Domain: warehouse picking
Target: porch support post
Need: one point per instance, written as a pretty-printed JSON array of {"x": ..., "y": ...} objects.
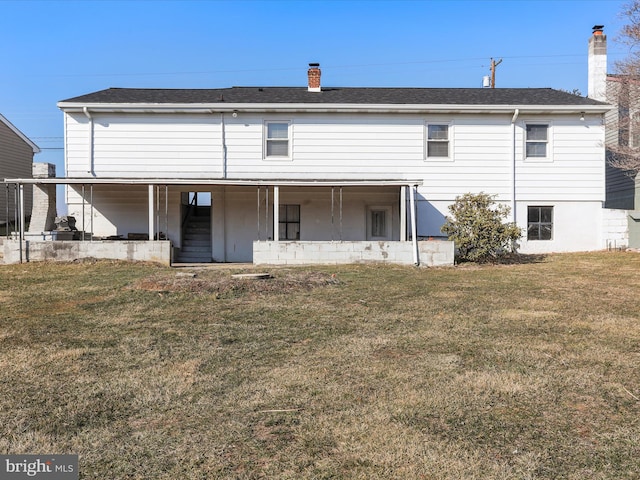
[
  {"x": 166, "y": 212},
  {"x": 16, "y": 211},
  {"x": 6, "y": 228},
  {"x": 21, "y": 197},
  {"x": 414, "y": 227},
  {"x": 403, "y": 213},
  {"x": 276, "y": 213},
  {"x": 340, "y": 213},
  {"x": 21, "y": 217},
  {"x": 332, "y": 227},
  {"x": 91, "y": 211},
  {"x": 151, "y": 216},
  {"x": 84, "y": 219},
  {"x": 266, "y": 212}
]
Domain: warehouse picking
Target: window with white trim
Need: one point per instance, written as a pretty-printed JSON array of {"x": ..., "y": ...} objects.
[
  {"x": 277, "y": 140},
  {"x": 438, "y": 140},
  {"x": 537, "y": 140},
  {"x": 539, "y": 223}
]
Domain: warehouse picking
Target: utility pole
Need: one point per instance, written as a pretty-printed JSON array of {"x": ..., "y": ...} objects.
[{"x": 494, "y": 64}]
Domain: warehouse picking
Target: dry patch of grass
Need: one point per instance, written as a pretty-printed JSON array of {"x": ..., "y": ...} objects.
[
  {"x": 526, "y": 370},
  {"x": 207, "y": 282}
]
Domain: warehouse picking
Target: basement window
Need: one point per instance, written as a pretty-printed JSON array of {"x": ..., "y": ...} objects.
[{"x": 539, "y": 223}]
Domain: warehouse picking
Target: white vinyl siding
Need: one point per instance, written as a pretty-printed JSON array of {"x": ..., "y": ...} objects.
[
  {"x": 328, "y": 146},
  {"x": 578, "y": 166},
  {"x": 139, "y": 145}
]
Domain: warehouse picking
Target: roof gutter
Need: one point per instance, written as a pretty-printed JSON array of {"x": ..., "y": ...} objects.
[{"x": 72, "y": 107}]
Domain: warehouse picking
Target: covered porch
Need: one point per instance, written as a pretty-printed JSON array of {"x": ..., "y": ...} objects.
[{"x": 316, "y": 222}]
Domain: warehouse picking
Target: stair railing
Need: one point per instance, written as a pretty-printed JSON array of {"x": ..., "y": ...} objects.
[{"x": 190, "y": 205}]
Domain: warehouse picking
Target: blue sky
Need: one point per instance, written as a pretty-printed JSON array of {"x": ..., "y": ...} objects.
[{"x": 53, "y": 50}]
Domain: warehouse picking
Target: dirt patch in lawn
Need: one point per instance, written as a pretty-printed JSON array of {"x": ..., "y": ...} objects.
[{"x": 223, "y": 285}]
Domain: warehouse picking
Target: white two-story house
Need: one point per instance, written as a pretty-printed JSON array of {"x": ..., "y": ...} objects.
[{"x": 297, "y": 175}]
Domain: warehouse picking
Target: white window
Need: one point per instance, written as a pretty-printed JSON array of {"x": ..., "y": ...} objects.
[
  {"x": 537, "y": 140},
  {"x": 438, "y": 138},
  {"x": 277, "y": 140}
]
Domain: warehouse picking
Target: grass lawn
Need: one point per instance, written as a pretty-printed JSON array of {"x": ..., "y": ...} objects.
[{"x": 526, "y": 371}]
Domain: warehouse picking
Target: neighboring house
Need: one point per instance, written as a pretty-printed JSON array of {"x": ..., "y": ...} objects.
[
  {"x": 16, "y": 160},
  {"x": 621, "y": 124},
  {"x": 621, "y": 185}
]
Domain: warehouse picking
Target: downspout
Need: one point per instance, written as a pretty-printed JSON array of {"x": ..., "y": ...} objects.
[
  {"x": 88, "y": 115},
  {"x": 513, "y": 164},
  {"x": 224, "y": 145}
]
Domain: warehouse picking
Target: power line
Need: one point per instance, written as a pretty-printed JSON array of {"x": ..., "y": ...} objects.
[{"x": 271, "y": 69}]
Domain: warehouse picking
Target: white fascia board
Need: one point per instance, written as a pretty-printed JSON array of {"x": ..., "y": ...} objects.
[
  {"x": 13, "y": 128},
  {"x": 325, "y": 108}
]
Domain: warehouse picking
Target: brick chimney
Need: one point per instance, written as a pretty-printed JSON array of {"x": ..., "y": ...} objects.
[
  {"x": 597, "y": 82},
  {"x": 314, "y": 77}
]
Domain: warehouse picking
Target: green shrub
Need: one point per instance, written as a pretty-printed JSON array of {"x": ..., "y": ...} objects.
[{"x": 477, "y": 227}]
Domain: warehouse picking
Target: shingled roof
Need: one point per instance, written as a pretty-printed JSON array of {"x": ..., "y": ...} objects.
[{"x": 338, "y": 95}]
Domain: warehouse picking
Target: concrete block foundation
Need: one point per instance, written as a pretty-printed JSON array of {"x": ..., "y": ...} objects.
[
  {"x": 430, "y": 253},
  {"x": 66, "y": 251}
]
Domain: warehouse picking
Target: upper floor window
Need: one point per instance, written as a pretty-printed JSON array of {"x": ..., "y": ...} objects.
[
  {"x": 537, "y": 144},
  {"x": 277, "y": 140},
  {"x": 437, "y": 140}
]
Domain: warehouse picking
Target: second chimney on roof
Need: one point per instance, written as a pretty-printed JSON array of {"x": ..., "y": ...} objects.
[
  {"x": 597, "y": 65},
  {"x": 314, "y": 77}
]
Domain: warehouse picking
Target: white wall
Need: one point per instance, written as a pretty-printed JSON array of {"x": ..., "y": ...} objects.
[
  {"x": 340, "y": 147},
  {"x": 346, "y": 147},
  {"x": 138, "y": 145},
  {"x": 577, "y": 226}
]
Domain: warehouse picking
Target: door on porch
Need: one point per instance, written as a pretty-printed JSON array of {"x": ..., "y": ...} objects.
[
  {"x": 195, "y": 231},
  {"x": 379, "y": 223}
]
